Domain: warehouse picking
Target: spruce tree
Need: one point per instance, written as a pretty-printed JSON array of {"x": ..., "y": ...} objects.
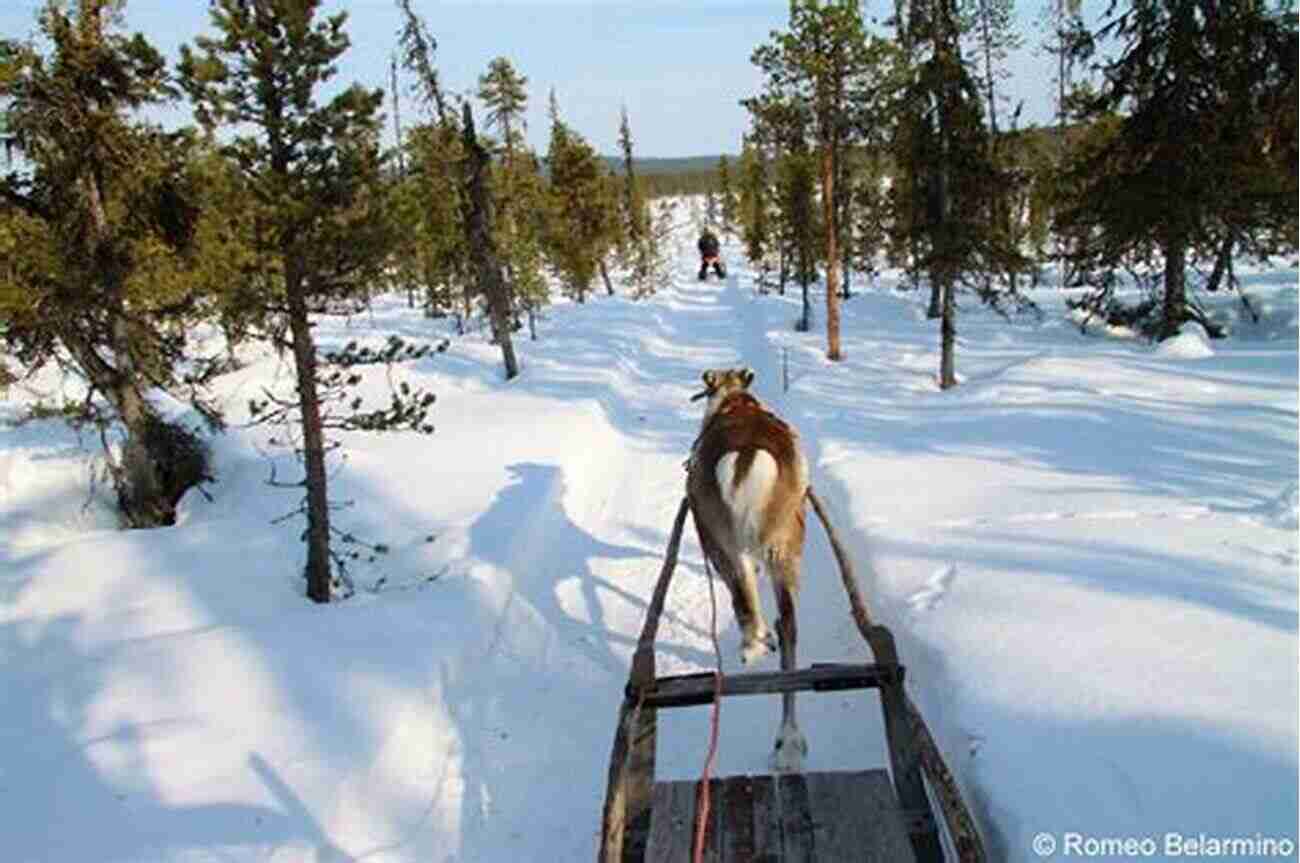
[
  {"x": 640, "y": 241},
  {"x": 754, "y": 205},
  {"x": 482, "y": 243},
  {"x": 435, "y": 202},
  {"x": 523, "y": 248},
  {"x": 517, "y": 186},
  {"x": 797, "y": 184},
  {"x": 582, "y": 217},
  {"x": 995, "y": 36},
  {"x": 427, "y": 203},
  {"x": 633, "y": 200},
  {"x": 504, "y": 91},
  {"x": 868, "y": 228},
  {"x": 314, "y": 172},
  {"x": 726, "y": 196},
  {"x": 98, "y": 233},
  {"x": 1200, "y": 93}
]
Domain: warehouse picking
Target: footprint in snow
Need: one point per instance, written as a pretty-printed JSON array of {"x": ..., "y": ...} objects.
[{"x": 936, "y": 588}]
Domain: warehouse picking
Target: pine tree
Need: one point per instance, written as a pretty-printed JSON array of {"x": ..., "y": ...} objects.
[
  {"x": 98, "y": 235},
  {"x": 995, "y": 37},
  {"x": 314, "y": 172},
  {"x": 828, "y": 63}
]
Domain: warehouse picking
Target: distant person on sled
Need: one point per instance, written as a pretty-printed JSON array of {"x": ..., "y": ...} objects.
[{"x": 708, "y": 246}]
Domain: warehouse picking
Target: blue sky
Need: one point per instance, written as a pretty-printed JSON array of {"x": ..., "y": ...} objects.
[{"x": 680, "y": 66}]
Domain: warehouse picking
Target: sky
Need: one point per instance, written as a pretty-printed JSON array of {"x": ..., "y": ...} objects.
[{"x": 680, "y": 67}]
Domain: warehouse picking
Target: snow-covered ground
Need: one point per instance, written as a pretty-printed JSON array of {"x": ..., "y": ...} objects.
[{"x": 1088, "y": 552}]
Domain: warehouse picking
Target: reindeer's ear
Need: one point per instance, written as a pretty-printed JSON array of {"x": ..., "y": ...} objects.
[
  {"x": 747, "y": 375},
  {"x": 710, "y": 379}
]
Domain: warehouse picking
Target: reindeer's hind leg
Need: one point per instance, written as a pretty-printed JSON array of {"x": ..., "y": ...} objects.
[
  {"x": 756, "y": 638},
  {"x": 791, "y": 746},
  {"x": 738, "y": 573}
]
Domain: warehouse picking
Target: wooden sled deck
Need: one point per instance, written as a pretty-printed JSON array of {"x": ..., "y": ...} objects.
[
  {"x": 797, "y": 816},
  {"x": 826, "y": 816}
]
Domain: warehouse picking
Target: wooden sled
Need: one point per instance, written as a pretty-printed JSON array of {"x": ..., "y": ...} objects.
[{"x": 824, "y": 817}]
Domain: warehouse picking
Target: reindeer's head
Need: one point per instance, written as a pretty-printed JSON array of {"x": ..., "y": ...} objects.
[{"x": 720, "y": 383}]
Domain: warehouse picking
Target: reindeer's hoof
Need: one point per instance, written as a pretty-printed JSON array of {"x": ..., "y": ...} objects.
[
  {"x": 790, "y": 749},
  {"x": 758, "y": 646}
]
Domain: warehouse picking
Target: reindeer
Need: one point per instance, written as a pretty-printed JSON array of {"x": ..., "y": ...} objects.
[{"x": 746, "y": 481}]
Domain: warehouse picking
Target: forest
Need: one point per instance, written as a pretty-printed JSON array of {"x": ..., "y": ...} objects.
[{"x": 872, "y": 144}]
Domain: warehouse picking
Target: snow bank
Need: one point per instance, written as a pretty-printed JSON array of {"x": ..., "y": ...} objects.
[{"x": 1191, "y": 343}]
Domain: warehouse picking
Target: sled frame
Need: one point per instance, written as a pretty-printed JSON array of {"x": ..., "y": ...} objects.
[{"x": 631, "y": 791}]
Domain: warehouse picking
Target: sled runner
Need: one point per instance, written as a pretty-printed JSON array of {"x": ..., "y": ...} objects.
[{"x": 824, "y": 817}]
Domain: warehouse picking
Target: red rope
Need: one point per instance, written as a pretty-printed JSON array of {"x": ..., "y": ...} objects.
[{"x": 702, "y": 810}]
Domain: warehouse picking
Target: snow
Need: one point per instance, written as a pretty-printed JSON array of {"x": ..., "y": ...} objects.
[
  {"x": 1088, "y": 552},
  {"x": 1191, "y": 343}
]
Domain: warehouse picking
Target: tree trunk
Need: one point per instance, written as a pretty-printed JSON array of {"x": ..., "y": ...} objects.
[
  {"x": 313, "y": 438},
  {"x": 843, "y": 220},
  {"x": 1222, "y": 265},
  {"x": 604, "y": 275},
  {"x": 160, "y": 461},
  {"x": 140, "y": 495},
  {"x": 1063, "y": 72},
  {"x": 833, "y": 352},
  {"x": 935, "y": 309},
  {"x": 1175, "y": 308},
  {"x": 944, "y": 273},
  {"x": 397, "y": 119},
  {"x": 948, "y": 337},
  {"x": 487, "y": 263}
]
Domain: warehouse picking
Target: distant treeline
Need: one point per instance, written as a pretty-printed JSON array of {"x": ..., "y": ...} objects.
[
  {"x": 691, "y": 175},
  {"x": 698, "y": 175}
]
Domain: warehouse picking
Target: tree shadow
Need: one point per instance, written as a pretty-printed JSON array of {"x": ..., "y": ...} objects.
[
  {"x": 79, "y": 797},
  {"x": 528, "y": 534}
]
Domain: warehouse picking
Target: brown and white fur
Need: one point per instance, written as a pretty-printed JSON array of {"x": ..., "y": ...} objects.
[{"x": 746, "y": 481}]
